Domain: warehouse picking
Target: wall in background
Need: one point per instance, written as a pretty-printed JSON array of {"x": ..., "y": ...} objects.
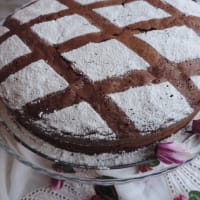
[{"x": 8, "y": 6}]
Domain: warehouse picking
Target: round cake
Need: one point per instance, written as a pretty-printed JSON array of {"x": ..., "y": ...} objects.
[{"x": 102, "y": 76}]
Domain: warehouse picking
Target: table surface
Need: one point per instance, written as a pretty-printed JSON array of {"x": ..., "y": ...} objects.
[{"x": 20, "y": 182}]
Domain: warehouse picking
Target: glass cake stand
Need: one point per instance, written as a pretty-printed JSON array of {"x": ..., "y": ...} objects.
[{"x": 12, "y": 143}]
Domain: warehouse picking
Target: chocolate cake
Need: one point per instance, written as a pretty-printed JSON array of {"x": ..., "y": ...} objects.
[{"x": 95, "y": 76}]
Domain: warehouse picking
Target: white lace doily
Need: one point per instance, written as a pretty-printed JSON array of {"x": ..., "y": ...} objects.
[
  {"x": 70, "y": 191},
  {"x": 185, "y": 178},
  {"x": 180, "y": 181}
]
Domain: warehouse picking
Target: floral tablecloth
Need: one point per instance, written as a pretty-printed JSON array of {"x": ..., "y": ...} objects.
[{"x": 20, "y": 182}]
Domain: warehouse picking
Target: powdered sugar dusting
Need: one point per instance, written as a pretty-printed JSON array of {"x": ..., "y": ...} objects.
[
  {"x": 106, "y": 160},
  {"x": 3, "y": 30},
  {"x": 79, "y": 120},
  {"x": 11, "y": 49},
  {"x": 153, "y": 107},
  {"x": 176, "y": 44},
  {"x": 196, "y": 80},
  {"x": 36, "y": 80},
  {"x": 63, "y": 29},
  {"x": 84, "y": 2},
  {"x": 130, "y": 13},
  {"x": 106, "y": 59},
  {"x": 40, "y": 7},
  {"x": 185, "y": 6}
]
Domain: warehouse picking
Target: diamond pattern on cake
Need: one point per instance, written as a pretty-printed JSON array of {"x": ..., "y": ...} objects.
[
  {"x": 130, "y": 13},
  {"x": 37, "y": 9},
  {"x": 196, "y": 80},
  {"x": 84, "y": 2},
  {"x": 39, "y": 78},
  {"x": 63, "y": 29},
  {"x": 176, "y": 44},
  {"x": 11, "y": 49},
  {"x": 152, "y": 107},
  {"x": 102, "y": 60},
  {"x": 3, "y": 30},
  {"x": 79, "y": 120},
  {"x": 188, "y": 7}
]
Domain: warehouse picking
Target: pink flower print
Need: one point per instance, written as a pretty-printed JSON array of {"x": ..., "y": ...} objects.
[
  {"x": 57, "y": 184},
  {"x": 180, "y": 197},
  {"x": 196, "y": 127},
  {"x": 172, "y": 152}
]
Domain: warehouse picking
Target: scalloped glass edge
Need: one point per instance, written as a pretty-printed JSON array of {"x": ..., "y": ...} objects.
[{"x": 110, "y": 181}]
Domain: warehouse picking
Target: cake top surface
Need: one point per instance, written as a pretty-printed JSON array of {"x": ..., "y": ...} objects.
[{"x": 80, "y": 72}]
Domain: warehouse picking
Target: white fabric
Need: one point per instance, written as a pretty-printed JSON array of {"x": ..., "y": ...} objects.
[
  {"x": 16, "y": 179},
  {"x": 151, "y": 189}
]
